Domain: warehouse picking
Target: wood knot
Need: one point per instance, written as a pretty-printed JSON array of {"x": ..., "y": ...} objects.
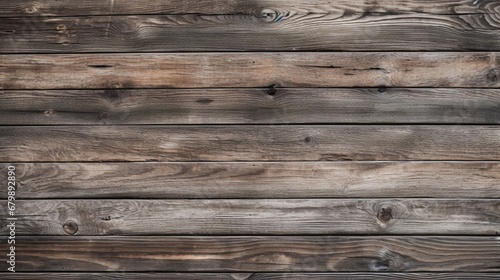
[
  {"x": 31, "y": 10},
  {"x": 308, "y": 139},
  {"x": 61, "y": 27},
  {"x": 269, "y": 15},
  {"x": 385, "y": 215},
  {"x": 70, "y": 227},
  {"x": 49, "y": 112},
  {"x": 272, "y": 90},
  {"x": 492, "y": 75}
]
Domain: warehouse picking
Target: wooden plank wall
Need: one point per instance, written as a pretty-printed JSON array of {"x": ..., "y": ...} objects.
[{"x": 262, "y": 139}]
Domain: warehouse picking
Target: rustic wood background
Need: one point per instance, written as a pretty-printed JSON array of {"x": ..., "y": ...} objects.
[{"x": 257, "y": 140}]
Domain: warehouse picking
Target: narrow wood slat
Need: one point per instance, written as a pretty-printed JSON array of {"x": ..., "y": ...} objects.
[
  {"x": 250, "y": 106},
  {"x": 244, "y": 216},
  {"x": 201, "y": 70},
  {"x": 265, "y": 29},
  {"x": 252, "y": 276},
  {"x": 36, "y": 8},
  {"x": 248, "y": 143},
  {"x": 256, "y": 180},
  {"x": 249, "y": 254}
]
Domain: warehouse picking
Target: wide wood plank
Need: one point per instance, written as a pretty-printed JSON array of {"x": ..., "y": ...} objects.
[
  {"x": 267, "y": 29},
  {"x": 248, "y": 143},
  {"x": 251, "y": 276},
  {"x": 201, "y": 70},
  {"x": 37, "y": 8},
  {"x": 249, "y": 254},
  {"x": 256, "y": 180},
  {"x": 243, "y": 216},
  {"x": 250, "y": 106}
]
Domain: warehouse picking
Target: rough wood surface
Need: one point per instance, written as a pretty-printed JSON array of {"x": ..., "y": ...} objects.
[
  {"x": 256, "y": 216},
  {"x": 270, "y": 29},
  {"x": 37, "y": 8},
  {"x": 202, "y": 70},
  {"x": 249, "y": 254},
  {"x": 248, "y": 143},
  {"x": 251, "y": 276},
  {"x": 256, "y": 180},
  {"x": 250, "y": 106}
]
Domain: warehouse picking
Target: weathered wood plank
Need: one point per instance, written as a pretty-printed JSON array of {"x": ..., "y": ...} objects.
[
  {"x": 256, "y": 180},
  {"x": 201, "y": 70},
  {"x": 28, "y": 8},
  {"x": 248, "y": 143},
  {"x": 256, "y": 216},
  {"x": 252, "y": 276},
  {"x": 250, "y": 106},
  {"x": 269, "y": 29},
  {"x": 249, "y": 254}
]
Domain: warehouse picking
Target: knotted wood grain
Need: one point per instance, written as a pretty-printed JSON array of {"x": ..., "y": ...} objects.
[
  {"x": 248, "y": 26},
  {"x": 248, "y": 143},
  {"x": 256, "y": 180},
  {"x": 230, "y": 70},
  {"x": 28, "y": 8},
  {"x": 257, "y": 217},
  {"x": 253, "y": 276},
  {"x": 265, "y": 254},
  {"x": 250, "y": 106}
]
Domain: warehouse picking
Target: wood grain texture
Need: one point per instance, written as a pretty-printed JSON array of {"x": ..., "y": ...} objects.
[
  {"x": 251, "y": 276},
  {"x": 27, "y": 8},
  {"x": 248, "y": 143},
  {"x": 270, "y": 29},
  {"x": 202, "y": 70},
  {"x": 254, "y": 217},
  {"x": 250, "y": 106},
  {"x": 249, "y": 254},
  {"x": 256, "y": 180}
]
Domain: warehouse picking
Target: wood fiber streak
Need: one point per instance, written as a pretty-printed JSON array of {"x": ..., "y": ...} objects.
[
  {"x": 36, "y": 8},
  {"x": 248, "y": 143},
  {"x": 266, "y": 29},
  {"x": 250, "y": 106},
  {"x": 256, "y": 180},
  {"x": 202, "y": 70},
  {"x": 270, "y": 216},
  {"x": 265, "y": 253},
  {"x": 253, "y": 276}
]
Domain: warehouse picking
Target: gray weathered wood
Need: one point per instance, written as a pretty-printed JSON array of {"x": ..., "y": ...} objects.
[
  {"x": 267, "y": 29},
  {"x": 256, "y": 216},
  {"x": 256, "y": 180},
  {"x": 202, "y": 70},
  {"x": 254, "y": 106},
  {"x": 251, "y": 276},
  {"x": 26, "y": 8},
  {"x": 249, "y": 254},
  {"x": 248, "y": 143}
]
